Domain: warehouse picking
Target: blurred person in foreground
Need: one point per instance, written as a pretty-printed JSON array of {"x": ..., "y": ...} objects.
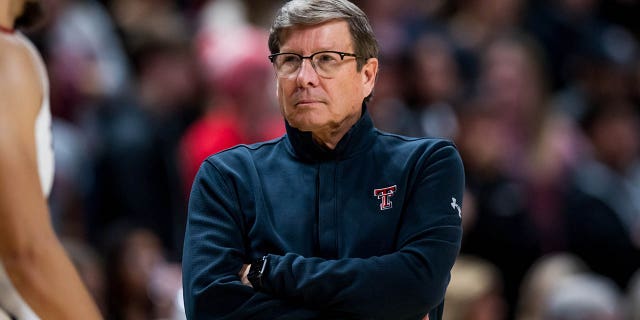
[
  {"x": 335, "y": 219},
  {"x": 475, "y": 291},
  {"x": 37, "y": 278},
  {"x": 539, "y": 281},
  {"x": 584, "y": 296}
]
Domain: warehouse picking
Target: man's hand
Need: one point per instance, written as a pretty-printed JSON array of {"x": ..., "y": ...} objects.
[{"x": 243, "y": 275}]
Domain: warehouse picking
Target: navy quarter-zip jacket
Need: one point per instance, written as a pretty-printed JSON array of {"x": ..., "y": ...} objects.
[{"x": 369, "y": 230}]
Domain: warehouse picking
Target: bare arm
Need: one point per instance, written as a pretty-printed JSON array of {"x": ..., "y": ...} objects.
[{"x": 30, "y": 251}]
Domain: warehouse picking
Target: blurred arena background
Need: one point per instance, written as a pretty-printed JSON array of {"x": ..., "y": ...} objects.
[{"x": 541, "y": 97}]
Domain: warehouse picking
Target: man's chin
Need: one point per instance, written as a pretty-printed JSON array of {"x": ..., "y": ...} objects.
[
  {"x": 304, "y": 120},
  {"x": 304, "y": 124},
  {"x": 301, "y": 127}
]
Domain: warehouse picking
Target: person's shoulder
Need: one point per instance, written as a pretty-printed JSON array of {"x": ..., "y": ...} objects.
[
  {"x": 19, "y": 82},
  {"x": 15, "y": 54},
  {"x": 392, "y": 140},
  {"x": 424, "y": 153},
  {"x": 245, "y": 152}
]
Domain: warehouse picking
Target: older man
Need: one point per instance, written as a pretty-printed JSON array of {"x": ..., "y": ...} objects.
[{"x": 335, "y": 219}]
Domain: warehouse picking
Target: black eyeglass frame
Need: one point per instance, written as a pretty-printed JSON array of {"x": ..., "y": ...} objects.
[{"x": 310, "y": 57}]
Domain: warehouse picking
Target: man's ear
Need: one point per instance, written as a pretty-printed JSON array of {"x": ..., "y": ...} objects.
[{"x": 369, "y": 75}]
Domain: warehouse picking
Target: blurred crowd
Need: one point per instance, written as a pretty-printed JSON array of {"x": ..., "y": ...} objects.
[{"x": 542, "y": 99}]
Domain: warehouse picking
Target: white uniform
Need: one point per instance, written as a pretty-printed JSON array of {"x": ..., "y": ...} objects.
[{"x": 10, "y": 300}]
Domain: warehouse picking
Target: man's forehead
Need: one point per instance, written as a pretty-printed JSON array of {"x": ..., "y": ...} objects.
[{"x": 328, "y": 34}]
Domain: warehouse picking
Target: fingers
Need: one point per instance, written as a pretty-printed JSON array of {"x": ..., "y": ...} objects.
[{"x": 243, "y": 275}]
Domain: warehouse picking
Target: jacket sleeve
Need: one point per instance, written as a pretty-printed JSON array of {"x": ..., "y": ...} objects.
[
  {"x": 214, "y": 254},
  {"x": 404, "y": 284}
]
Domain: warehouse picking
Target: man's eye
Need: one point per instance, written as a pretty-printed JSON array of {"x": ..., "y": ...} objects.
[
  {"x": 290, "y": 59},
  {"x": 326, "y": 58}
]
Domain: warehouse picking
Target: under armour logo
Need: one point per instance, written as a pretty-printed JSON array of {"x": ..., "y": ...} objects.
[
  {"x": 455, "y": 206},
  {"x": 385, "y": 195}
]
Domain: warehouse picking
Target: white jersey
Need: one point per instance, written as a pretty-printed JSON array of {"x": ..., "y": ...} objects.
[{"x": 10, "y": 300}]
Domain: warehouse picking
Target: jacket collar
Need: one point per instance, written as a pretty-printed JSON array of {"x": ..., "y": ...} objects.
[{"x": 358, "y": 139}]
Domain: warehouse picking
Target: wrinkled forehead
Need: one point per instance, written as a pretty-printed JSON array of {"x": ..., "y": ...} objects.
[{"x": 329, "y": 35}]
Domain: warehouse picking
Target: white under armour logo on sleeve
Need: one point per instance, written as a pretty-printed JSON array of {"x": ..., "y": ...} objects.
[{"x": 455, "y": 206}]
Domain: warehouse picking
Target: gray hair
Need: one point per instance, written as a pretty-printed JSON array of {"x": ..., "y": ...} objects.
[{"x": 313, "y": 12}]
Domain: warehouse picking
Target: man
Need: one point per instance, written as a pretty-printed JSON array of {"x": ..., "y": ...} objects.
[
  {"x": 36, "y": 277},
  {"x": 335, "y": 219}
]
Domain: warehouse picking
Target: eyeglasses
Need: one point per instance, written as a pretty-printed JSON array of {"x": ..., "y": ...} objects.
[{"x": 325, "y": 63}]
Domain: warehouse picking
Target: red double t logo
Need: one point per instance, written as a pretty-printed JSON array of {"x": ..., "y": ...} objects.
[{"x": 385, "y": 195}]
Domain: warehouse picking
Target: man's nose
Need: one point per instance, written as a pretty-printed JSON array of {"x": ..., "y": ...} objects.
[{"x": 307, "y": 75}]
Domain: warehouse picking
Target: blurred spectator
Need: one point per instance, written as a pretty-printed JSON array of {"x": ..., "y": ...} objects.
[
  {"x": 540, "y": 146},
  {"x": 586, "y": 296},
  {"x": 141, "y": 20},
  {"x": 90, "y": 267},
  {"x": 433, "y": 88},
  {"x": 515, "y": 157},
  {"x": 633, "y": 297},
  {"x": 601, "y": 72},
  {"x": 240, "y": 106},
  {"x": 565, "y": 28},
  {"x": 260, "y": 12},
  {"x": 398, "y": 25},
  {"x": 388, "y": 107},
  {"x": 142, "y": 284},
  {"x": 475, "y": 291},
  {"x": 512, "y": 87},
  {"x": 73, "y": 180},
  {"x": 86, "y": 58},
  {"x": 391, "y": 22},
  {"x": 540, "y": 279},
  {"x": 170, "y": 91},
  {"x": 602, "y": 207},
  {"x": 501, "y": 230},
  {"x": 476, "y": 23},
  {"x": 137, "y": 137}
]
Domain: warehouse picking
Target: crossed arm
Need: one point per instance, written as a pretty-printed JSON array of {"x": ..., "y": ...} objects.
[{"x": 405, "y": 284}]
